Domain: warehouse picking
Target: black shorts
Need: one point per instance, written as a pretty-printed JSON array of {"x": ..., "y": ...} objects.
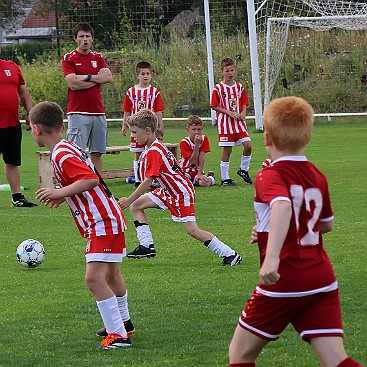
[{"x": 10, "y": 144}]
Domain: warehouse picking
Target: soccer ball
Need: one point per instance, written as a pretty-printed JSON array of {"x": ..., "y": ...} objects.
[{"x": 30, "y": 253}]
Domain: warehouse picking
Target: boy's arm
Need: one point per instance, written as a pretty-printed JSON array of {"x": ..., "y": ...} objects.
[
  {"x": 48, "y": 195},
  {"x": 124, "y": 123},
  {"x": 235, "y": 115},
  {"x": 139, "y": 191},
  {"x": 79, "y": 82},
  {"x": 280, "y": 217},
  {"x": 159, "y": 115},
  {"x": 243, "y": 112},
  {"x": 325, "y": 227}
]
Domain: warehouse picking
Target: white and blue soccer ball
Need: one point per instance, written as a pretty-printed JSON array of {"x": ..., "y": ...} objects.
[{"x": 30, "y": 253}]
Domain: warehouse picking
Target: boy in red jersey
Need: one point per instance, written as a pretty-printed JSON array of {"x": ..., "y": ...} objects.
[
  {"x": 176, "y": 192},
  {"x": 85, "y": 71},
  {"x": 97, "y": 216},
  {"x": 297, "y": 282},
  {"x": 138, "y": 97},
  {"x": 229, "y": 100},
  {"x": 193, "y": 149}
]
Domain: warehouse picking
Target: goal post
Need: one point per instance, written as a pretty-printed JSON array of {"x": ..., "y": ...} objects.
[
  {"x": 273, "y": 23},
  {"x": 277, "y": 36}
]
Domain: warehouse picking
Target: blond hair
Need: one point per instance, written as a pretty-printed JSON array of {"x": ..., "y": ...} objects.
[
  {"x": 289, "y": 122},
  {"x": 194, "y": 120},
  {"x": 144, "y": 118}
]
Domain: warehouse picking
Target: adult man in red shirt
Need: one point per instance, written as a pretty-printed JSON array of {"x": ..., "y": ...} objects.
[
  {"x": 85, "y": 70},
  {"x": 12, "y": 89}
]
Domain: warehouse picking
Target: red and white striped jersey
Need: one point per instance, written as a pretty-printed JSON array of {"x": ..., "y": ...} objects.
[
  {"x": 158, "y": 162},
  {"x": 231, "y": 98},
  {"x": 187, "y": 148},
  {"x": 96, "y": 212},
  {"x": 304, "y": 264},
  {"x": 137, "y": 99}
]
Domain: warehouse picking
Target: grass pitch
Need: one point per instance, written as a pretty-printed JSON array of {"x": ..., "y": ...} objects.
[{"x": 183, "y": 303}]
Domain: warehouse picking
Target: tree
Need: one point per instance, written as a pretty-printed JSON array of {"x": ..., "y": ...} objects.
[{"x": 10, "y": 10}]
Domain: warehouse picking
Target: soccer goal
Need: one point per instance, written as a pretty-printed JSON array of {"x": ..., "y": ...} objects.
[{"x": 313, "y": 49}]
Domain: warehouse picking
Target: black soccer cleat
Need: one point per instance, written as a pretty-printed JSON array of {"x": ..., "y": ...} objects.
[
  {"x": 113, "y": 341},
  {"x": 244, "y": 174},
  {"x": 142, "y": 251},
  {"x": 228, "y": 182},
  {"x": 23, "y": 203},
  {"x": 129, "y": 327},
  {"x": 232, "y": 260}
]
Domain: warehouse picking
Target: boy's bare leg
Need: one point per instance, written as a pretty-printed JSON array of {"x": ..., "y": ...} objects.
[
  {"x": 95, "y": 278},
  {"x": 245, "y": 347},
  {"x": 330, "y": 350},
  {"x": 138, "y": 206},
  {"x": 115, "y": 279}
]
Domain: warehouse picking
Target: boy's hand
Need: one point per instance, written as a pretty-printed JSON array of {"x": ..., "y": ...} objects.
[
  {"x": 50, "y": 197},
  {"x": 124, "y": 203},
  {"x": 124, "y": 130},
  {"x": 198, "y": 139},
  {"x": 237, "y": 116},
  {"x": 253, "y": 235},
  {"x": 269, "y": 271}
]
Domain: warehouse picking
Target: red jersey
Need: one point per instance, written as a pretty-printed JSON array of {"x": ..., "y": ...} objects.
[
  {"x": 304, "y": 264},
  {"x": 96, "y": 212},
  {"x": 187, "y": 148},
  {"x": 87, "y": 101},
  {"x": 231, "y": 98},
  {"x": 10, "y": 79},
  {"x": 137, "y": 99},
  {"x": 158, "y": 162}
]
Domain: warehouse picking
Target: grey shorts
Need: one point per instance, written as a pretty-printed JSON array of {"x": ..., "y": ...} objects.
[{"x": 88, "y": 131}]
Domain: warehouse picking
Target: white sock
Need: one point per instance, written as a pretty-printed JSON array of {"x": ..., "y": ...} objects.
[
  {"x": 144, "y": 235},
  {"x": 123, "y": 307},
  {"x": 212, "y": 179},
  {"x": 220, "y": 248},
  {"x": 245, "y": 162},
  {"x": 136, "y": 171},
  {"x": 111, "y": 317},
  {"x": 224, "y": 170}
]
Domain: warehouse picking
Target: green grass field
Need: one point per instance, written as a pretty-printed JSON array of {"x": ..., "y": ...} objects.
[{"x": 183, "y": 303}]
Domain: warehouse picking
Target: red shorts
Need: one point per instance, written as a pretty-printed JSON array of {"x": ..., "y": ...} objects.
[
  {"x": 135, "y": 147},
  {"x": 312, "y": 316},
  {"x": 230, "y": 140},
  {"x": 179, "y": 213},
  {"x": 110, "y": 248}
]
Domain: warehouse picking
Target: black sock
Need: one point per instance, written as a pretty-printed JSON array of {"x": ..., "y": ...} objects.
[{"x": 17, "y": 196}]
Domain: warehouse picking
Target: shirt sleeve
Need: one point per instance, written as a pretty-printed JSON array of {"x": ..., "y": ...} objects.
[
  {"x": 67, "y": 67},
  {"x": 205, "y": 147},
  {"x": 127, "y": 105},
  {"x": 158, "y": 103},
  {"x": 214, "y": 101},
  {"x": 75, "y": 170}
]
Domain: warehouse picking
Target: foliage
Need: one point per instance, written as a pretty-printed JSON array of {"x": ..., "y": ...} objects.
[
  {"x": 11, "y": 10},
  {"x": 26, "y": 51}
]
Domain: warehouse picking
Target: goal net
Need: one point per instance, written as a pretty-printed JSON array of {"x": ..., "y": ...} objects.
[{"x": 313, "y": 49}]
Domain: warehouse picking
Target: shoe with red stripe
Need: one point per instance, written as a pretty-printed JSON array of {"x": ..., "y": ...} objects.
[{"x": 114, "y": 341}]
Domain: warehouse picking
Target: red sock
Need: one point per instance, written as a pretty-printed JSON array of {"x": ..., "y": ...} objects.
[
  {"x": 247, "y": 364},
  {"x": 349, "y": 362}
]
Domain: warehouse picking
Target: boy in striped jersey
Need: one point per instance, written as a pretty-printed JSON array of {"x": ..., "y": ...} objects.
[
  {"x": 140, "y": 96},
  {"x": 229, "y": 100},
  {"x": 176, "y": 192},
  {"x": 193, "y": 149},
  {"x": 97, "y": 216}
]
